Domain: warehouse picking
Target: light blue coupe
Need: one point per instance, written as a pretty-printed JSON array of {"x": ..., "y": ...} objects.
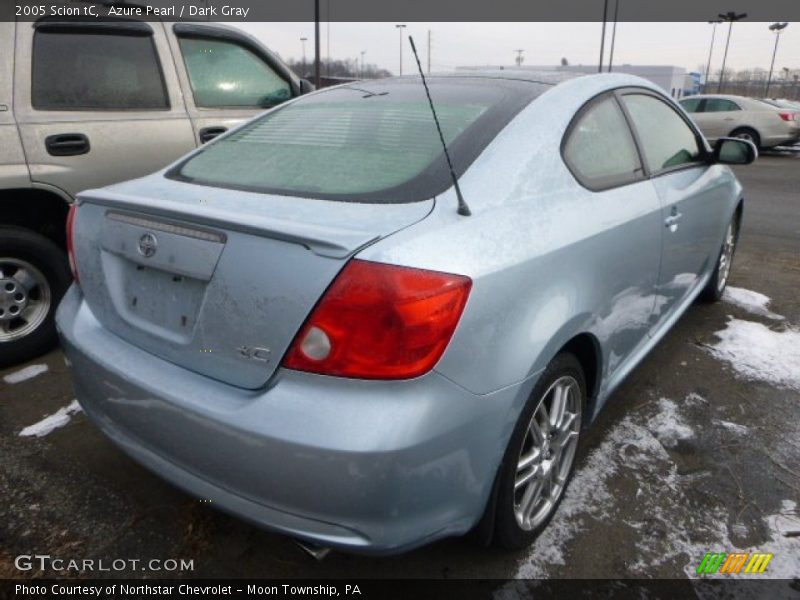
[{"x": 296, "y": 323}]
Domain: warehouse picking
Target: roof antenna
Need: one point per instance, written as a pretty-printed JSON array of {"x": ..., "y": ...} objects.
[{"x": 463, "y": 209}]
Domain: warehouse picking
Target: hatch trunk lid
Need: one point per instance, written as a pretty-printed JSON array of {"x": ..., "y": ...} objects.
[{"x": 217, "y": 281}]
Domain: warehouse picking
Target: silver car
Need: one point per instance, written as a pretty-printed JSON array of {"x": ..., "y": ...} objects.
[
  {"x": 297, "y": 323},
  {"x": 750, "y": 119}
]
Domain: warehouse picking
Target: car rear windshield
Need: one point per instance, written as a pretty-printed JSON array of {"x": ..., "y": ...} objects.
[{"x": 364, "y": 142}]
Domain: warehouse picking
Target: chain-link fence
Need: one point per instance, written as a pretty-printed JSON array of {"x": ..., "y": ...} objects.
[{"x": 757, "y": 88}]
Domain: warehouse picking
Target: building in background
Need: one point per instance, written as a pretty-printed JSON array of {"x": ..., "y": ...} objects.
[
  {"x": 693, "y": 83},
  {"x": 673, "y": 80}
]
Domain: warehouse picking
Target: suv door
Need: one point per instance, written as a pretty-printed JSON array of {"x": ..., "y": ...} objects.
[
  {"x": 96, "y": 103},
  {"x": 13, "y": 172},
  {"x": 227, "y": 77},
  {"x": 692, "y": 196}
]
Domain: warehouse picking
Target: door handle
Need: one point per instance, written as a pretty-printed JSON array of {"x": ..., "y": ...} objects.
[
  {"x": 673, "y": 219},
  {"x": 67, "y": 144},
  {"x": 209, "y": 133}
]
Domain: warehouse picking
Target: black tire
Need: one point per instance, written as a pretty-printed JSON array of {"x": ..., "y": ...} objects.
[
  {"x": 747, "y": 133},
  {"x": 508, "y": 532},
  {"x": 715, "y": 288},
  {"x": 18, "y": 244}
]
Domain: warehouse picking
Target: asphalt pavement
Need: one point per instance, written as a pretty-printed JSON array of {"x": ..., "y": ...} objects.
[{"x": 698, "y": 451}]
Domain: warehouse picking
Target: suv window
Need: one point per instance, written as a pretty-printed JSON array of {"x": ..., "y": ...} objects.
[
  {"x": 691, "y": 105},
  {"x": 98, "y": 70},
  {"x": 667, "y": 141},
  {"x": 225, "y": 74},
  {"x": 600, "y": 150},
  {"x": 720, "y": 105}
]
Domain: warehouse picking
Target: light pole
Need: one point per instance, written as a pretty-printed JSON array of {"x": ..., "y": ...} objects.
[
  {"x": 603, "y": 37},
  {"x": 520, "y": 59},
  {"x": 317, "y": 73},
  {"x": 710, "y": 51},
  {"x": 777, "y": 28},
  {"x": 400, "y": 28},
  {"x": 363, "y": 52},
  {"x": 303, "y": 41},
  {"x": 730, "y": 17},
  {"x": 613, "y": 36},
  {"x": 328, "y": 40}
]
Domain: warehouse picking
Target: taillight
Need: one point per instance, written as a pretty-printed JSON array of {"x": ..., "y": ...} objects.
[
  {"x": 379, "y": 321},
  {"x": 788, "y": 116},
  {"x": 70, "y": 244}
]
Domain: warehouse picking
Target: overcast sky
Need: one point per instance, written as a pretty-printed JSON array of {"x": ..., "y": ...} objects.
[{"x": 459, "y": 44}]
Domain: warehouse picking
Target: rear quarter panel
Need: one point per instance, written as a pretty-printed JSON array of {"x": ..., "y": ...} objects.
[{"x": 542, "y": 252}]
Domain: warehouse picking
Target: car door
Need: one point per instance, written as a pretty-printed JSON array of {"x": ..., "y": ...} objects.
[
  {"x": 600, "y": 151},
  {"x": 692, "y": 194},
  {"x": 718, "y": 117},
  {"x": 227, "y": 77},
  {"x": 95, "y": 102}
]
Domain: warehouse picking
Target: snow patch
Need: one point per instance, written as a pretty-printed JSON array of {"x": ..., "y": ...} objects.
[
  {"x": 629, "y": 446},
  {"x": 668, "y": 426},
  {"x": 734, "y": 427},
  {"x": 757, "y": 352},
  {"x": 28, "y": 372},
  {"x": 695, "y": 399},
  {"x": 753, "y": 302},
  {"x": 667, "y": 532},
  {"x": 58, "y": 419}
]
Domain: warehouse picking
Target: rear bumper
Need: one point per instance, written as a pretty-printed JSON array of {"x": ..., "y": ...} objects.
[
  {"x": 785, "y": 138},
  {"x": 373, "y": 467}
]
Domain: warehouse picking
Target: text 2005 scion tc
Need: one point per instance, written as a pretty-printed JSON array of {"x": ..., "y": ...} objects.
[{"x": 296, "y": 323}]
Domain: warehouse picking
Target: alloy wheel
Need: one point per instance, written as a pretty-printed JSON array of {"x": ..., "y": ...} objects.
[
  {"x": 547, "y": 454},
  {"x": 726, "y": 257}
]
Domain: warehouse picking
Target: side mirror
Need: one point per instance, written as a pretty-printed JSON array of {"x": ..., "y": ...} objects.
[
  {"x": 734, "y": 151},
  {"x": 306, "y": 86}
]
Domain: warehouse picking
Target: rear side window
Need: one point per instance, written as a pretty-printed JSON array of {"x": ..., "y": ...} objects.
[
  {"x": 369, "y": 142},
  {"x": 599, "y": 149},
  {"x": 720, "y": 105},
  {"x": 667, "y": 141},
  {"x": 98, "y": 70},
  {"x": 691, "y": 105},
  {"x": 224, "y": 74}
]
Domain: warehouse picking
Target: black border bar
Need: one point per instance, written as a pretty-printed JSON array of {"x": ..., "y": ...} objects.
[
  {"x": 401, "y": 589},
  {"x": 417, "y": 10}
]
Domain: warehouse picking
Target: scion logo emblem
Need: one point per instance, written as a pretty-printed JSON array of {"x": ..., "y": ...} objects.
[{"x": 148, "y": 244}]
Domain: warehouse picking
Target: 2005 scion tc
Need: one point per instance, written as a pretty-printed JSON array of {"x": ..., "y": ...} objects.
[{"x": 301, "y": 323}]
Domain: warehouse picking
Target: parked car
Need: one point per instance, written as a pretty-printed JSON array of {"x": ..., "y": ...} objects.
[
  {"x": 746, "y": 118},
  {"x": 88, "y": 103},
  {"x": 296, "y": 323},
  {"x": 783, "y": 103}
]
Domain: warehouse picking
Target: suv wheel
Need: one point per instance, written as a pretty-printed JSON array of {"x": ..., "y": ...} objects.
[{"x": 33, "y": 277}]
